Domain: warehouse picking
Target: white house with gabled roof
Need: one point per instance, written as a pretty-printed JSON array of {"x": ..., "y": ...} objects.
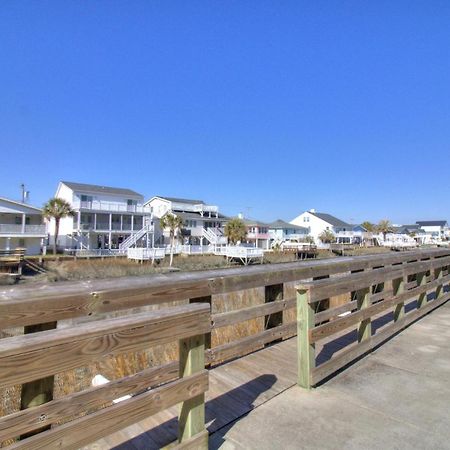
[
  {"x": 320, "y": 222},
  {"x": 105, "y": 217},
  {"x": 21, "y": 226}
]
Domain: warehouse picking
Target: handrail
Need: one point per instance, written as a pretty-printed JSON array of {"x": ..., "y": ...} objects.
[
  {"x": 64, "y": 349},
  {"x": 375, "y": 293}
]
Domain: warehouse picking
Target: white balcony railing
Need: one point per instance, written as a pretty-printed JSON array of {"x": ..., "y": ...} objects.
[
  {"x": 27, "y": 230},
  {"x": 97, "y": 205}
]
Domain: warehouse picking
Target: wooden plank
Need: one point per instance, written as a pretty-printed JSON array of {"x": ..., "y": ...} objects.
[
  {"x": 364, "y": 327},
  {"x": 306, "y": 353},
  {"x": 37, "y": 392},
  {"x": 250, "y": 343},
  {"x": 25, "y": 305},
  {"x": 340, "y": 285},
  {"x": 334, "y": 312},
  {"x": 374, "y": 298},
  {"x": 273, "y": 293},
  {"x": 72, "y": 405},
  {"x": 24, "y": 358},
  {"x": 350, "y": 354},
  {"x": 240, "y": 315},
  {"x": 92, "y": 427},
  {"x": 422, "y": 281},
  {"x": 340, "y": 324},
  {"x": 398, "y": 286},
  {"x": 191, "y": 419}
]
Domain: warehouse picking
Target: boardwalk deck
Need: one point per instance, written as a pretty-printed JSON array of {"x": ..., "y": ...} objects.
[{"x": 236, "y": 388}]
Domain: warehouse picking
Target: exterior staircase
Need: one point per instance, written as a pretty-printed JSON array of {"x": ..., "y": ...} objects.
[
  {"x": 215, "y": 236},
  {"x": 133, "y": 239}
]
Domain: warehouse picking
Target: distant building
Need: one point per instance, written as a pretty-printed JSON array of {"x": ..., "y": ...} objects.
[
  {"x": 257, "y": 233},
  {"x": 436, "y": 228},
  {"x": 21, "y": 226},
  {"x": 104, "y": 216},
  {"x": 280, "y": 231},
  {"x": 202, "y": 223},
  {"x": 320, "y": 222}
]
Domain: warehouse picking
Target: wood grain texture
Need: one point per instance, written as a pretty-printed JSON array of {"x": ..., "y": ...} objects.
[
  {"x": 29, "y": 357},
  {"x": 71, "y": 405},
  {"x": 92, "y": 427},
  {"x": 26, "y": 305}
]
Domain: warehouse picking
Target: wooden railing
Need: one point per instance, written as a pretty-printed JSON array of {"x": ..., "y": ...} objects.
[
  {"x": 270, "y": 300},
  {"x": 421, "y": 285},
  {"x": 43, "y": 354}
]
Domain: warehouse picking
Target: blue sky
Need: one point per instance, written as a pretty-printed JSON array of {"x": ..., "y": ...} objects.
[{"x": 266, "y": 108}]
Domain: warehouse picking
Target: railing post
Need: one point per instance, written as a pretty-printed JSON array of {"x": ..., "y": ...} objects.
[
  {"x": 192, "y": 412},
  {"x": 398, "y": 286},
  {"x": 438, "y": 274},
  {"x": 421, "y": 281},
  {"x": 306, "y": 350},
  {"x": 205, "y": 299},
  {"x": 365, "y": 326}
]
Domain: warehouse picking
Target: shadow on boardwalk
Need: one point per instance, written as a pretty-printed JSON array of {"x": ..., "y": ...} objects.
[{"x": 221, "y": 411}]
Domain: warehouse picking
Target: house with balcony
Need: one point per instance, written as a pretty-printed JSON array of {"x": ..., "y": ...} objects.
[
  {"x": 437, "y": 229},
  {"x": 320, "y": 222},
  {"x": 21, "y": 226},
  {"x": 202, "y": 222},
  {"x": 280, "y": 231},
  {"x": 105, "y": 217},
  {"x": 257, "y": 233}
]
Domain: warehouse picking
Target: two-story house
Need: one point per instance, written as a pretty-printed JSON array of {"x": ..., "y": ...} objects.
[
  {"x": 21, "y": 226},
  {"x": 257, "y": 233},
  {"x": 202, "y": 223},
  {"x": 437, "y": 229},
  {"x": 280, "y": 231},
  {"x": 320, "y": 222},
  {"x": 104, "y": 216}
]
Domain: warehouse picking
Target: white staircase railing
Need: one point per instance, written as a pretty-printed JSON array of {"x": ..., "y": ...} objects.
[
  {"x": 215, "y": 236},
  {"x": 131, "y": 240}
]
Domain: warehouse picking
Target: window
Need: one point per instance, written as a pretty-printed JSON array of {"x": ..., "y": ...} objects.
[
  {"x": 18, "y": 220},
  {"x": 21, "y": 242},
  {"x": 306, "y": 219},
  {"x": 86, "y": 198}
]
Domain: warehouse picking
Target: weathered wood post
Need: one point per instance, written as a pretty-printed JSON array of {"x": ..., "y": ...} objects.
[
  {"x": 438, "y": 275},
  {"x": 306, "y": 351},
  {"x": 192, "y": 411},
  {"x": 365, "y": 326},
  {"x": 398, "y": 286},
  {"x": 205, "y": 299},
  {"x": 422, "y": 281}
]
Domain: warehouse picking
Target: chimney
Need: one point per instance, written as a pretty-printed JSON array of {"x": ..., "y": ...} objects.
[
  {"x": 312, "y": 210},
  {"x": 240, "y": 216}
]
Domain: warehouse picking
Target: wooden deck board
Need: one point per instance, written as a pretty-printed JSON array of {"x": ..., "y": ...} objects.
[{"x": 236, "y": 388}]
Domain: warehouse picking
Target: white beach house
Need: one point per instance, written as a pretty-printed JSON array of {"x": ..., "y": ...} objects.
[
  {"x": 437, "y": 229},
  {"x": 21, "y": 226},
  {"x": 105, "y": 217},
  {"x": 320, "y": 222},
  {"x": 280, "y": 231},
  {"x": 202, "y": 223}
]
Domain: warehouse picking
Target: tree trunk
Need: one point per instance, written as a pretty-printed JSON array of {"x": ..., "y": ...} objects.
[
  {"x": 56, "y": 236},
  {"x": 172, "y": 242}
]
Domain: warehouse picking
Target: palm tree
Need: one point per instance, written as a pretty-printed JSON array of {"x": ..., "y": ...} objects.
[
  {"x": 57, "y": 209},
  {"x": 235, "y": 230},
  {"x": 327, "y": 237},
  {"x": 385, "y": 227},
  {"x": 370, "y": 227},
  {"x": 173, "y": 223}
]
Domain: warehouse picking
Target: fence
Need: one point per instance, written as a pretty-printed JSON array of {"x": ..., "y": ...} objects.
[
  {"x": 27, "y": 358},
  {"x": 374, "y": 294},
  {"x": 41, "y": 309}
]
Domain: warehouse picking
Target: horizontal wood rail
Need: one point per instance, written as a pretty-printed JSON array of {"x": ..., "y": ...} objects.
[
  {"x": 33, "y": 356},
  {"x": 366, "y": 304}
]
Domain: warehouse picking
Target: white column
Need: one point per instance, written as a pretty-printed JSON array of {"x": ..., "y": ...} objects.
[
  {"x": 79, "y": 220},
  {"x": 23, "y": 223},
  {"x": 95, "y": 221},
  {"x": 110, "y": 222},
  {"x": 121, "y": 222},
  {"x": 132, "y": 222},
  {"x": 109, "y": 240}
]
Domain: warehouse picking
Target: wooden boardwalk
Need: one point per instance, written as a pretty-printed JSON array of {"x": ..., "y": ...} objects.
[{"x": 235, "y": 389}]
